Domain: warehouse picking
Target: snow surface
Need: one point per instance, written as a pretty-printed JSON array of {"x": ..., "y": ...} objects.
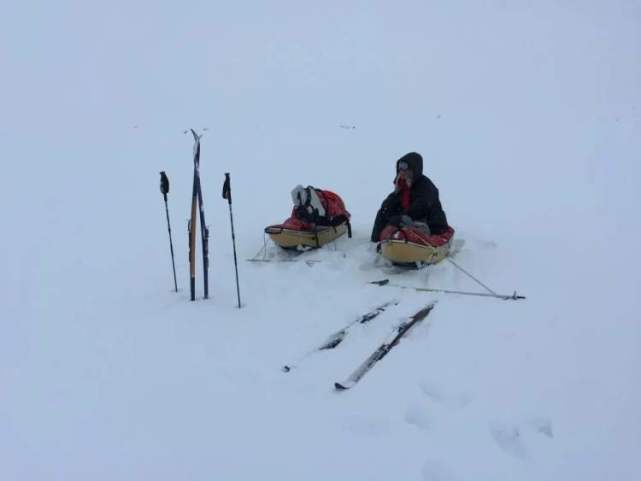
[{"x": 528, "y": 115}]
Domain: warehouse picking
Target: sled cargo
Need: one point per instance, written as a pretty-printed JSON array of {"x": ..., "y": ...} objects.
[
  {"x": 288, "y": 236},
  {"x": 407, "y": 245},
  {"x": 319, "y": 216}
]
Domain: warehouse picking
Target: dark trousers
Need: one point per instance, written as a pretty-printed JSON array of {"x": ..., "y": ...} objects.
[{"x": 386, "y": 217}]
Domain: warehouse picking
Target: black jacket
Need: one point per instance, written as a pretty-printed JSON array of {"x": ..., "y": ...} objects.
[{"x": 425, "y": 205}]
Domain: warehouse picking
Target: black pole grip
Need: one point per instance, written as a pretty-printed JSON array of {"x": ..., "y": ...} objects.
[
  {"x": 227, "y": 188},
  {"x": 164, "y": 183}
]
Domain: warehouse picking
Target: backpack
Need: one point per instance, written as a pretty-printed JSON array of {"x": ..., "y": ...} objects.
[{"x": 320, "y": 207}]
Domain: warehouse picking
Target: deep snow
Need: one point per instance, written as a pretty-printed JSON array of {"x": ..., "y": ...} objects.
[{"x": 528, "y": 116}]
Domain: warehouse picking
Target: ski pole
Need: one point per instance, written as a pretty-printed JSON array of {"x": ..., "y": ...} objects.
[
  {"x": 227, "y": 195},
  {"x": 164, "y": 189},
  {"x": 505, "y": 297}
]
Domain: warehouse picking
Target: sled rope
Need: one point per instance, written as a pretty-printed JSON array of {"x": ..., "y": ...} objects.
[{"x": 471, "y": 276}]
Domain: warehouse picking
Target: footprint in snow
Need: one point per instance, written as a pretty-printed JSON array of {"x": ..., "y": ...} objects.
[
  {"x": 542, "y": 426},
  {"x": 450, "y": 400},
  {"x": 509, "y": 438},
  {"x": 512, "y": 438},
  {"x": 418, "y": 416}
]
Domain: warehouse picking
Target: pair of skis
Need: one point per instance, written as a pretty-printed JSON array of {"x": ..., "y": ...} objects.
[
  {"x": 337, "y": 337},
  {"x": 384, "y": 349},
  {"x": 197, "y": 205}
]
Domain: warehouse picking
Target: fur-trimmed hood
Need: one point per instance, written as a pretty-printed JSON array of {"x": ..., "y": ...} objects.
[{"x": 414, "y": 162}]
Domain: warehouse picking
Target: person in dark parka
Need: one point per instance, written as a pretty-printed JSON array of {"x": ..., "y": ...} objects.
[{"x": 414, "y": 202}]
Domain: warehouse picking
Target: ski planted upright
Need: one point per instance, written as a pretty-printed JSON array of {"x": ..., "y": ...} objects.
[
  {"x": 204, "y": 230},
  {"x": 384, "y": 349},
  {"x": 192, "y": 238},
  {"x": 337, "y": 337},
  {"x": 197, "y": 205}
]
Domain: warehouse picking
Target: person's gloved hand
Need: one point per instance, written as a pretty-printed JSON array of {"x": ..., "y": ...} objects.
[
  {"x": 400, "y": 220},
  {"x": 395, "y": 220}
]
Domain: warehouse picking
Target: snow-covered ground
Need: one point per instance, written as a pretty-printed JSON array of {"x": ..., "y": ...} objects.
[{"x": 528, "y": 115}]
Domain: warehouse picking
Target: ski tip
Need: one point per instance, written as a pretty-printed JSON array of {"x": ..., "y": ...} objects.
[
  {"x": 422, "y": 313},
  {"x": 431, "y": 306},
  {"x": 340, "y": 387},
  {"x": 193, "y": 132}
]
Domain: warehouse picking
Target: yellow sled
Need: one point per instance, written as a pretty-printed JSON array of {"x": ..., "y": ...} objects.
[
  {"x": 291, "y": 239},
  {"x": 403, "y": 252}
]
